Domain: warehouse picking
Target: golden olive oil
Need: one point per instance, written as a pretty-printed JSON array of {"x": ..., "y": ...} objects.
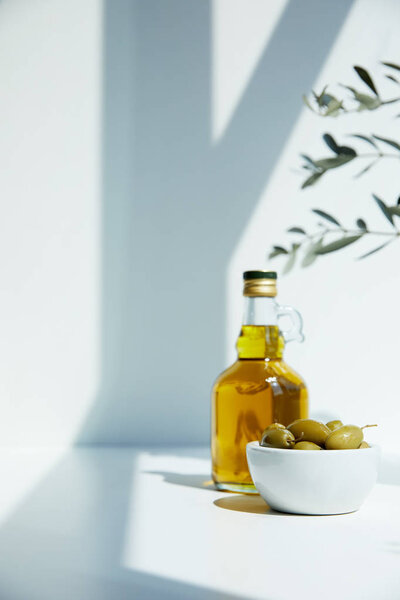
[{"x": 257, "y": 390}]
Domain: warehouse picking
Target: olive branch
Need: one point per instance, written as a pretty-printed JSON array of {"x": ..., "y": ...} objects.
[{"x": 330, "y": 235}]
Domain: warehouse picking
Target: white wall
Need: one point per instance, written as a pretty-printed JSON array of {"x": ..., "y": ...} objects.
[
  {"x": 350, "y": 356},
  {"x": 50, "y": 107},
  {"x": 146, "y": 161},
  {"x": 199, "y": 162}
]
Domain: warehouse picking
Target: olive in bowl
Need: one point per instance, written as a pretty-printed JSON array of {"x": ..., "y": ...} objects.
[{"x": 327, "y": 482}]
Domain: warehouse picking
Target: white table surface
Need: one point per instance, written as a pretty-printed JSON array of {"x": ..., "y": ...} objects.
[{"x": 97, "y": 524}]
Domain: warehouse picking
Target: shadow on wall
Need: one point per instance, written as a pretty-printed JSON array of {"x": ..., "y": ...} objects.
[
  {"x": 174, "y": 205},
  {"x": 173, "y": 209}
]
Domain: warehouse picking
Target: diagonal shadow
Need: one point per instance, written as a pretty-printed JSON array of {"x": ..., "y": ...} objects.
[
  {"x": 173, "y": 207},
  {"x": 66, "y": 539}
]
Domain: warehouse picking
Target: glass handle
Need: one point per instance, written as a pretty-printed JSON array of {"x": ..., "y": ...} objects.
[{"x": 295, "y": 333}]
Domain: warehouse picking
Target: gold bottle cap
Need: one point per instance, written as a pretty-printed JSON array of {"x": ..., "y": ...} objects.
[{"x": 260, "y": 283}]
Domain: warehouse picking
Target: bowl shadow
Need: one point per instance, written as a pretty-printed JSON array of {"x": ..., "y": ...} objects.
[
  {"x": 255, "y": 505},
  {"x": 244, "y": 503}
]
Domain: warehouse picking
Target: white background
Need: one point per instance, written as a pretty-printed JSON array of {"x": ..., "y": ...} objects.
[
  {"x": 50, "y": 146},
  {"x": 148, "y": 156},
  {"x": 350, "y": 355}
]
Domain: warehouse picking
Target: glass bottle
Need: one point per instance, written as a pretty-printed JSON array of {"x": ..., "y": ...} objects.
[{"x": 259, "y": 388}]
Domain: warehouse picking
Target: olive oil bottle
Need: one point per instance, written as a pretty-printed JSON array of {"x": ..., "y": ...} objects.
[{"x": 259, "y": 388}]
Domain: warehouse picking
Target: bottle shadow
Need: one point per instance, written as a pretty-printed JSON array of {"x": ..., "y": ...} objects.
[
  {"x": 202, "y": 482},
  {"x": 246, "y": 503},
  {"x": 250, "y": 503}
]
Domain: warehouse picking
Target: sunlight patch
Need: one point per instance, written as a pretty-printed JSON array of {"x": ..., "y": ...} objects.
[{"x": 240, "y": 33}]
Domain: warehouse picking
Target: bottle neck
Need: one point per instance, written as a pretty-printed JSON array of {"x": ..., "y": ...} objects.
[
  {"x": 260, "y": 311},
  {"x": 260, "y": 337}
]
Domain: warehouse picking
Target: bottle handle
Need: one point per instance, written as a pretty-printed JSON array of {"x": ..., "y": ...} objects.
[{"x": 295, "y": 333}]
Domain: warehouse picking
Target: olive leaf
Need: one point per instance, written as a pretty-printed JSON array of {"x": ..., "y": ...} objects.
[
  {"x": 333, "y": 108},
  {"x": 375, "y": 250},
  {"x": 365, "y": 102},
  {"x": 332, "y": 163},
  {"x": 309, "y": 162},
  {"x": 384, "y": 209},
  {"x": 311, "y": 253},
  {"x": 391, "y": 101},
  {"x": 325, "y": 215},
  {"x": 391, "y": 65},
  {"x": 307, "y": 103},
  {"x": 394, "y": 210},
  {"x": 340, "y": 150},
  {"x": 365, "y": 76},
  {"x": 328, "y": 105},
  {"x": 364, "y": 138},
  {"x": 297, "y": 230},
  {"x": 387, "y": 141},
  {"x": 338, "y": 244},
  {"x": 316, "y": 243},
  {"x": 365, "y": 169},
  {"x": 347, "y": 151},
  {"x": 321, "y": 97},
  {"x": 291, "y": 260},
  {"x": 362, "y": 224},
  {"x": 311, "y": 180},
  {"x": 323, "y": 165},
  {"x": 276, "y": 251},
  {"x": 325, "y": 100},
  {"x": 331, "y": 143}
]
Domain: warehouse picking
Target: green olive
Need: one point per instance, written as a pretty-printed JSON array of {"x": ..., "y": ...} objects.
[
  {"x": 277, "y": 438},
  {"x": 347, "y": 437},
  {"x": 332, "y": 425},
  {"x": 274, "y": 426},
  {"x": 308, "y": 430},
  {"x": 364, "y": 445},
  {"x": 306, "y": 446}
]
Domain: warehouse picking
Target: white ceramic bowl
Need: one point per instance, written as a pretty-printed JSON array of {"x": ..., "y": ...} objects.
[{"x": 326, "y": 482}]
